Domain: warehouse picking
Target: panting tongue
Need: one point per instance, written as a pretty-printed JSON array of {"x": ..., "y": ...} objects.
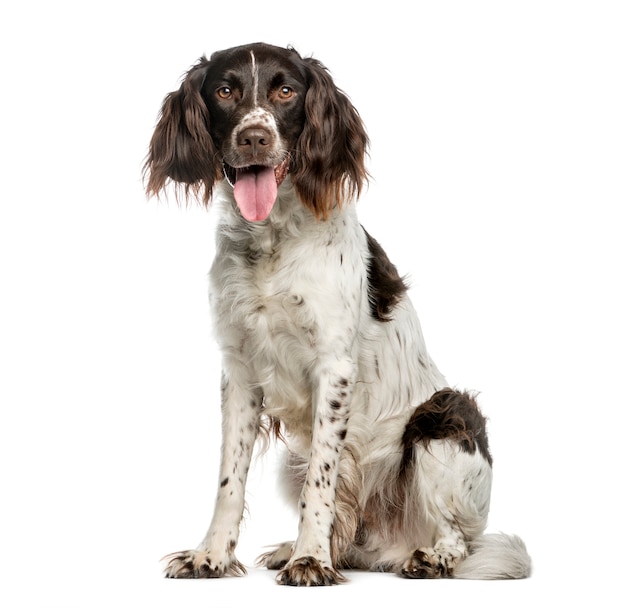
[{"x": 255, "y": 192}]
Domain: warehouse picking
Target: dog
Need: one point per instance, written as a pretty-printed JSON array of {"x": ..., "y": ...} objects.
[{"x": 388, "y": 466}]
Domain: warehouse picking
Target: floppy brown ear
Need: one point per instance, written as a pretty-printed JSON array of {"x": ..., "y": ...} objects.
[
  {"x": 329, "y": 160},
  {"x": 181, "y": 149}
]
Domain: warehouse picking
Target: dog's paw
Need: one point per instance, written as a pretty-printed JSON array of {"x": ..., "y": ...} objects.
[
  {"x": 426, "y": 563},
  {"x": 277, "y": 558},
  {"x": 201, "y": 564},
  {"x": 308, "y": 572}
]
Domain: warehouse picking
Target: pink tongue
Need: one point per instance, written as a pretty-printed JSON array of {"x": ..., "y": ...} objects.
[{"x": 255, "y": 192}]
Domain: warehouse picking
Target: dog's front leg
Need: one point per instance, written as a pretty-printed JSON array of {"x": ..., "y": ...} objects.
[
  {"x": 311, "y": 562},
  {"x": 215, "y": 556}
]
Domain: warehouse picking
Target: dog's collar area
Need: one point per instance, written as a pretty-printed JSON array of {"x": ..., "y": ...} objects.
[{"x": 229, "y": 174}]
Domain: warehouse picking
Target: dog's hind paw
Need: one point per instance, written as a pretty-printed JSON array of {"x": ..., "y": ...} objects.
[
  {"x": 427, "y": 563},
  {"x": 308, "y": 572},
  {"x": 200, "y": 564},
  {"x": 277, "y": 558}
]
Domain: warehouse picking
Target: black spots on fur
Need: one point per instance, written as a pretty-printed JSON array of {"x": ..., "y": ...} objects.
[
  {"x": 341, "y": 394},
  {"x": 341, "y": 386},
  {"x": 385, "y": 287},
  {"x": 448, "y": 415},
  {"x": 323, "y": 481},
  {"x": 224, "y": 482},
  {"x": 342, "y": 434}
]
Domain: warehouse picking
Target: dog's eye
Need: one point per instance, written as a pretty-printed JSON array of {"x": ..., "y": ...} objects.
[
  {"x": 224, "y": 92},
  {"x": 285, "y": 92}
]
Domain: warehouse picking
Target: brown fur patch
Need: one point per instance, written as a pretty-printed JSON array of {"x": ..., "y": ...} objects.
[
  {"x": 385, "y": 286},
  {"x": 451, "y": 415},
  {"x": 329, "y": 160},
  {"x": 181, "y": 149},
  {"x": 270, "y": 428}
]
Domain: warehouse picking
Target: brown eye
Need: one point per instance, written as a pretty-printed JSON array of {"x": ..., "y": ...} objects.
[
  {"x": 224, "y": 92},
  {"x": 285, "y": 92}
]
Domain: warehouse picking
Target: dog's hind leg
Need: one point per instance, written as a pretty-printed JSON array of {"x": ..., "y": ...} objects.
[
  {"x": 447, "y": 471},
  {"x": 277, "y": 557}
]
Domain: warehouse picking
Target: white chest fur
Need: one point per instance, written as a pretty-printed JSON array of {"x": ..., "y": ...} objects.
[{"x": 288, "y": 295}]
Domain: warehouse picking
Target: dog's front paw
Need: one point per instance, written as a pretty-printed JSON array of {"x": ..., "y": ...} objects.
[
  {"x": 308, "y": 572},
  {"x": 201, "y": 564}
]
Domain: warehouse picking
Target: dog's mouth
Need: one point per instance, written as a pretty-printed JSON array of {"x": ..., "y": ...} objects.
[{"x": 256, "y": 187}]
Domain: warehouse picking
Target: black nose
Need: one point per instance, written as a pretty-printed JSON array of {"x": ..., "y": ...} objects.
[{"x": 254, "y": 140}]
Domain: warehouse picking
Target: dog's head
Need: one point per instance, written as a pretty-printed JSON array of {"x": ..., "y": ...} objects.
[{"x": 253, "y": 114}]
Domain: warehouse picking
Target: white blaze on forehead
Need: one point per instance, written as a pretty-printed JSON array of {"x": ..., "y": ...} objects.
[
  {"x": 257, "y": 116},
  {"x": 255, "y": 79}
]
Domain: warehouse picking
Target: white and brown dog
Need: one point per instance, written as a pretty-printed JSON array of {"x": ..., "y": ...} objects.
[{"x": 390, "y": 469}]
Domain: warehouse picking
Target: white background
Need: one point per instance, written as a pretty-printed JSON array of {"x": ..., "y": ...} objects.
[{"x": 498, "y": 153}]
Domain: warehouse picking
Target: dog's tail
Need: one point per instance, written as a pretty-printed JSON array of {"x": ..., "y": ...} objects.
[{"x": 495, "y": 556}]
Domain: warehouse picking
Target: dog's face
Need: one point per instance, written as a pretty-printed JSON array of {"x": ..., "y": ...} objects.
[
  {"x": 254, "y": 114},
  {"x": 256, "y": 102},
  {"x": 255, "y": 96}
]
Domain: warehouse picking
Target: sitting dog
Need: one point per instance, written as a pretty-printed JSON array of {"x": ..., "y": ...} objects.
[{"x": 390, "y": 468}]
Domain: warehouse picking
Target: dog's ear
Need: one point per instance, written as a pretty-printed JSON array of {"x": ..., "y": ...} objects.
[
  {"x": 181, "y": 149},
  {"x": 329, "y": 159}
]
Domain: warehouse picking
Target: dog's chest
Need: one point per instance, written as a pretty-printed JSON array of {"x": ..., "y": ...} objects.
[
  {"x": 286, "y": 302},
  {"x": 283, "y": 308}
]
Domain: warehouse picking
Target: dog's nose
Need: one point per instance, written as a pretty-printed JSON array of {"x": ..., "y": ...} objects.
[{"x": 254, "y": 140}]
